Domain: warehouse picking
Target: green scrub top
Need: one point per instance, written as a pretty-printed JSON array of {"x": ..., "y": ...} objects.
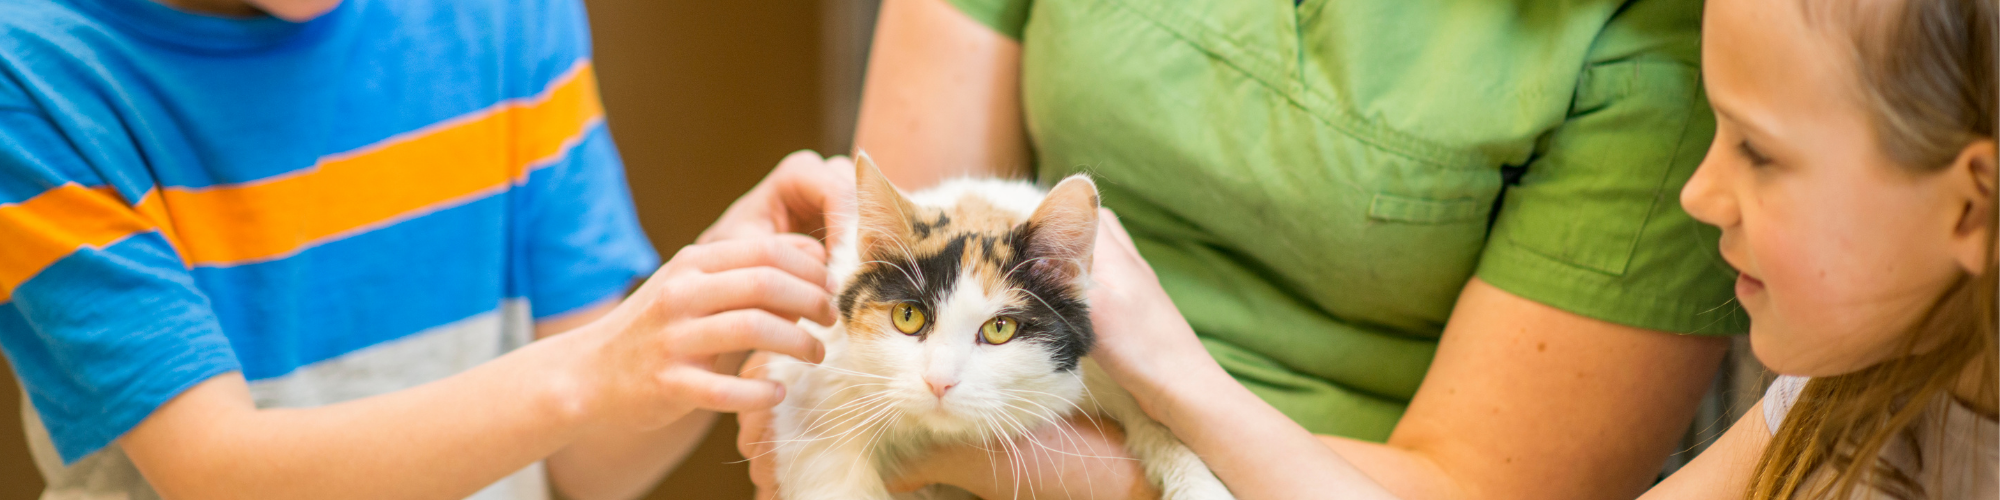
[{"x": 1315, "y": 183}]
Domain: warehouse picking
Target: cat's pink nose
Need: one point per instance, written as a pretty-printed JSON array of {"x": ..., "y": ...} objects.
[{"x": 938, "y": 386}]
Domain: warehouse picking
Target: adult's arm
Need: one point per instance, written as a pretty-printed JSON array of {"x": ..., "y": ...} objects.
[
  {"x": 942, "y": 97},
  {"x": 1522, "y": 401},
  {"x": 643, "y": 365},
  {"x": 1529, "y": 401}
]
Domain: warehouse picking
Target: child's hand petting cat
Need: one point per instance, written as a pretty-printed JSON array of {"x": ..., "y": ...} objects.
[
  {"x": 1142, "y": 340},
  {"x": 794, "y": 198},
  {"x": 652, "y": 359}
]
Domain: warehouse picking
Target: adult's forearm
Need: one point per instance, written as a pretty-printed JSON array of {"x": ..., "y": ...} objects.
[
  {"x": 443, "y": 440},
  {"x": 1257, "y": 451}
]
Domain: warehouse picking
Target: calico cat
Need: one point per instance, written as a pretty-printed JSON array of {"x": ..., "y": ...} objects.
[{"x": 962, "y": 319}]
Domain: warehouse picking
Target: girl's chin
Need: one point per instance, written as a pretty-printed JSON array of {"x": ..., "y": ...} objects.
[{"x": 1785, "y": 355}]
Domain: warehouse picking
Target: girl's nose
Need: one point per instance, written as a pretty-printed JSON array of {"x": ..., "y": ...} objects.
[{"x": 1707, "y": 195}]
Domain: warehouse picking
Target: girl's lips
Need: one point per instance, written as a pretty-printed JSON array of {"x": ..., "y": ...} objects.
[{"x": 1746, "y": 285}]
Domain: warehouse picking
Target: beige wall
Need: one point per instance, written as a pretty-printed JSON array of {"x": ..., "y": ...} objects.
[{"x": 703, "y": 97}]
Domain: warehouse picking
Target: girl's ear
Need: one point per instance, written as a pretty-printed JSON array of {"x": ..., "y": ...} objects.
[{"x": 1973, "y": 176}]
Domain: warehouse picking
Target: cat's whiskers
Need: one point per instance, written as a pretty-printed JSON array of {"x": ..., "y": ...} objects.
[
  {"x": 842, "y": 371},
  {"x": 879, "y": 427},
  {"x": 857, "y": 402},
  {"x": 885, "y": 413},
  {"x": 1014, "y": 456},
  {"x": 1094, "y": 403},
  {"x": 903, "y": 247},
  {"x": 871, "y": 406},
  {"x": 899, "y": 268},
  {"x": 812, "y": 429},
  {"x": 1046, "y": 450},
  {"x": 1021, "y": 431},
  {"x": 1045, "y": 303},
  {"x": 1062, "y": 428}
]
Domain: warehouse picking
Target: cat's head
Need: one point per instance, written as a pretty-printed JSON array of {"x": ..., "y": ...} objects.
[{"x": 968, "y": 298}]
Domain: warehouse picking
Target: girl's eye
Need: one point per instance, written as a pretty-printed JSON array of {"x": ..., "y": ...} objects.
[
  {"x": 1757, "y": 158},
  {"x": 999, "y": 330},
  {"x": 907, "y": 317}
]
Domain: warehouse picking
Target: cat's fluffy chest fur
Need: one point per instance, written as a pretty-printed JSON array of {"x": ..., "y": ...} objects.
[{"x": 962, "y": 320}]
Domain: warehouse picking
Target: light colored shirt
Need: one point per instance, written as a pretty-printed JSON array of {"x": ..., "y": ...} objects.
[{"x": 1956, "y": 454}]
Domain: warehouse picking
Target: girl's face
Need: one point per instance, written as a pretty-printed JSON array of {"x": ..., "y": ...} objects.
[{"x": 1840, "y": 250}]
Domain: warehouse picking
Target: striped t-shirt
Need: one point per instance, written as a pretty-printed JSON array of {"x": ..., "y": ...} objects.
[{"x": 376, "y": 198}]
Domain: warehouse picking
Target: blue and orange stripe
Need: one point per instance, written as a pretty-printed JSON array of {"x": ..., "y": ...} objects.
[{"x": 341, "y": 195}]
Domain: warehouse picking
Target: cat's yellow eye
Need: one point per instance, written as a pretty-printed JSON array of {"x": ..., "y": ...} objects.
[
  {"x": 907, "y": 317},
  {"x": 999, "y": 330}
]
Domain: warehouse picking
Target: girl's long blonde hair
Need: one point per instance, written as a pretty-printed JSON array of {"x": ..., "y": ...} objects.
[{"x": 1927, "y": 72}]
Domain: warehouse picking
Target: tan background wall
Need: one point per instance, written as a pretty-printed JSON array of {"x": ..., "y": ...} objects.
[{"x": 703, "y": 98}]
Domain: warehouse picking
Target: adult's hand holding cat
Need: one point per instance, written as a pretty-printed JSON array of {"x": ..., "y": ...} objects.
[
  {"x": 794, "y": 198},
  {"x": 1142, "y": 340},
  {"x": 1145, "y": 344}
]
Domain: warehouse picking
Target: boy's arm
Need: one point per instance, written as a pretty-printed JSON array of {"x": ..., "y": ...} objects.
[
  {"x": 643, "y": 365},
  {"x": 616, "y": 464}
]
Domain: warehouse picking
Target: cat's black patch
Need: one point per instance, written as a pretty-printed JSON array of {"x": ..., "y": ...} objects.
[
  {"x": 1060, "y": 319},
  {"x": 886, "y": 283},
  {"x": 1054, "y": 315},
  {"x": 923, "y": 229}
]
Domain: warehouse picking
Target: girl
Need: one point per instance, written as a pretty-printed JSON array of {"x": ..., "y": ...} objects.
[{"x": 1852, "y": 175}]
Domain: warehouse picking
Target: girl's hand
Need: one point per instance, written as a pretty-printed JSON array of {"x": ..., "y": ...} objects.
[{"x": 1142, "y": 340}]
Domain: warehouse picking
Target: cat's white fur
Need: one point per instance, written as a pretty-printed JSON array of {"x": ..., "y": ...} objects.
[{"x": 849, "y": 422}]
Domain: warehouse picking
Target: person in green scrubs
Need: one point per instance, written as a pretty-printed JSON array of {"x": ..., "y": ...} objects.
[{"x": 1432, "y": 247}]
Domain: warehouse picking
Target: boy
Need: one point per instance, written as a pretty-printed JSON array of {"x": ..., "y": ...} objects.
[{"x": 300, "y": 248}]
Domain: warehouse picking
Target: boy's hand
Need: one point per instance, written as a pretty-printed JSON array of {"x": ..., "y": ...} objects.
[
  {"x": 794, "y": 198},
  {"x": 653, "y": 359}
]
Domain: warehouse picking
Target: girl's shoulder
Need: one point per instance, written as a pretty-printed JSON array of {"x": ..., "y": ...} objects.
[
  {"x": 1778, "y": 399},
  {"x": 1951, "y": 433}
]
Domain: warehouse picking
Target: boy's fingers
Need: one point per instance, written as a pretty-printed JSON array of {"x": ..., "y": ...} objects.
[
  {"x": 716, "y": 392},
  {"x": 795, "y": 254},
  {"x": 756, "y": 288},
  {"x": 745, "y": 330}
]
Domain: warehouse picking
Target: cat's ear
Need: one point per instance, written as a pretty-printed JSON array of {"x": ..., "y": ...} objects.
[
  {"x": 1063, "y": 230},
  {"x": 884, "y": 214}
]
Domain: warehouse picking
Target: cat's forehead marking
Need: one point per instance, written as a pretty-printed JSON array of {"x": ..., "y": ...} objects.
[{"x": 973, "y": 217}]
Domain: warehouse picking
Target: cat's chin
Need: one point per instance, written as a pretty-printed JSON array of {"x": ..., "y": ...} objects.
[{"x": 951, "y": 422}]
